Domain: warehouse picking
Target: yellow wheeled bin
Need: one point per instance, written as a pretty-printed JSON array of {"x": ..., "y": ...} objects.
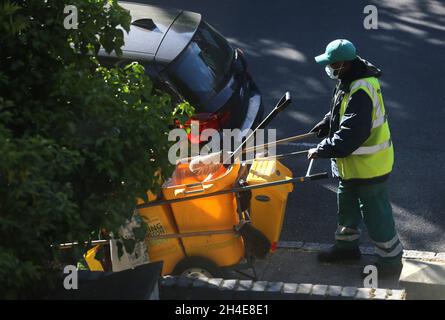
[
  {"x": 207, "y": 214},
  {"x": 268, "y": 205},
  {"x": 160, "y": 221}
]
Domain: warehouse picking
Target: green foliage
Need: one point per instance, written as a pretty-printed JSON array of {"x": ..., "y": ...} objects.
[{"x": 78, "y": 142}]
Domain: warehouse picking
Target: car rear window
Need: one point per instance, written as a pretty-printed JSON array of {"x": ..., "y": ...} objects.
[{"x": 204, "y": 66}]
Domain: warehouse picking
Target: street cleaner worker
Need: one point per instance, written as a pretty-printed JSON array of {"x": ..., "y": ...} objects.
[{"x": 358, "y": 141}]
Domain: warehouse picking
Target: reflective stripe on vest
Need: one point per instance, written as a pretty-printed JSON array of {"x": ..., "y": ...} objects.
[
  {"x": 372, "y": 149},
  {"x": 381, "y": 118},
  {"x": 375, "y": 157}
]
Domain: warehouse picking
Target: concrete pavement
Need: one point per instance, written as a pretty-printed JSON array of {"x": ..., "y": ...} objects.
[
  {"x": 422, "y": 276},
  {"x": 293, "y": 272},
  {"x": 296, "y": 261}
]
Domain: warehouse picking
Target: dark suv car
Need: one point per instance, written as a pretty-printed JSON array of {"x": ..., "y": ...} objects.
[{"x": 189, "y": 59}]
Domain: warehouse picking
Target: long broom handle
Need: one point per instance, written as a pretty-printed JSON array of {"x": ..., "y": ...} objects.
[
  {"x": 285, "y": 101},
  {"x": 274, "y": 157},
  {"x": 281, "y": 141}
]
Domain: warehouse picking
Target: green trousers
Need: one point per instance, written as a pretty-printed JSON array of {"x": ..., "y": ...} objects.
[{"x": 370, "y": 204}]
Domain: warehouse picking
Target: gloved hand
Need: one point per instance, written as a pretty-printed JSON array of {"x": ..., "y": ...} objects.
[
  {"x": 312, "y": 153},
  {"x": 321, "y": 128}
]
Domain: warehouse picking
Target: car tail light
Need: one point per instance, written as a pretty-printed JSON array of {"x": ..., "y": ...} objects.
[
  {"x": 216, "y": 121},
  {"x": 274, "y": 246}
]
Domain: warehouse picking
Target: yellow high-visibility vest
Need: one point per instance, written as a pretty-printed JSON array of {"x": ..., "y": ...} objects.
[{"x": 375, "y": 157}]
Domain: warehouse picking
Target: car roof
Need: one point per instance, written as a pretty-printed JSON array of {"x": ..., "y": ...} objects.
[{"x": 157, "y": 33}]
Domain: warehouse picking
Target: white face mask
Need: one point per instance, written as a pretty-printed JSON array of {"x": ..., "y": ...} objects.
[{"x": 331, "y": 71}]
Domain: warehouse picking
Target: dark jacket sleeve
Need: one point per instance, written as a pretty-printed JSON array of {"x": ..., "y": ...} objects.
[
  {"x": 325, "y": 124},
  {"x": 322, "y": 128},
  {"x": 353, "y": 131},
  {"x": 327, "y": 116}
]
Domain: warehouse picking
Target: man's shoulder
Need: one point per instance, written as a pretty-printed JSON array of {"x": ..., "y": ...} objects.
[
  {"x": 360, "y": 101},
  {"x": 364, "y": 82}
]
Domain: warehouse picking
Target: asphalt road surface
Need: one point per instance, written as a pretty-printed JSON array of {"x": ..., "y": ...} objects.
[{"x": 280, "y": 39}]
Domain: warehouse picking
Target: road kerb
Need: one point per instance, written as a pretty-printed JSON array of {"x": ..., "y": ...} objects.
[{"x": 366, "y": 250}]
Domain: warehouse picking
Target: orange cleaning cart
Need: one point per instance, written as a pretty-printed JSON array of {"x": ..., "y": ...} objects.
[{"x": 197, "y": 224}]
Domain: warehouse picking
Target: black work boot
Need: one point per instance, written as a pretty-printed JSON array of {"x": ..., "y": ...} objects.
[{"x": 335, "y": 254}]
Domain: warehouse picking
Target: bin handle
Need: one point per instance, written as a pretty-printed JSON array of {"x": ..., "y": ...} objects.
[
  {"x": 309, "y": 168},
  {"x": 193, "y": 188}
]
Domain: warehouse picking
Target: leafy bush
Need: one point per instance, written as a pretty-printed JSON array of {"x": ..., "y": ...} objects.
[{"x": 78, "y": 142}]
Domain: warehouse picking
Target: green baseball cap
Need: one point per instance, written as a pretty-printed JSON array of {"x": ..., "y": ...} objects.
[{"x": 337, "y": 50}]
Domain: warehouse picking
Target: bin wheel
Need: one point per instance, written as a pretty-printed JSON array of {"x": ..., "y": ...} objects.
[{"x": 196, "y": 267}]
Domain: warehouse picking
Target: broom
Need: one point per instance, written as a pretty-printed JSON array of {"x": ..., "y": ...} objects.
[{"x": 255, "y": 241}]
